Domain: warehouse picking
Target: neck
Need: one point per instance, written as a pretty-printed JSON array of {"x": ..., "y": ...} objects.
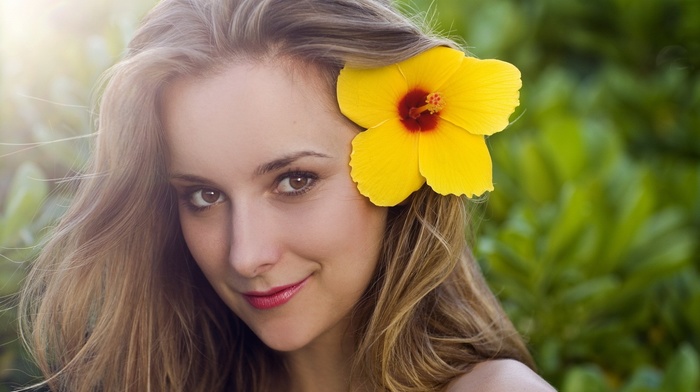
[{"x": 323, "y": 366}]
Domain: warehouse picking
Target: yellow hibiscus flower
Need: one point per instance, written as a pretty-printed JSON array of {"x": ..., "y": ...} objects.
[{"x": 426, "y": 120}]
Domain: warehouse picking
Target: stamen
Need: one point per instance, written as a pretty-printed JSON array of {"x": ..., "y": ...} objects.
[{"x": 433, "y": 104}]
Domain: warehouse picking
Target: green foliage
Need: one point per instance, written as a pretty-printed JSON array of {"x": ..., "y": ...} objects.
[
  {"x": 591, "y": 237},
  {"x": 26, "y": 193},
  {"x": 47, "y": 76}
]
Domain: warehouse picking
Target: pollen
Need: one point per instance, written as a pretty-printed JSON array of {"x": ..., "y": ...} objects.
[{"x": 433, "y": 104}]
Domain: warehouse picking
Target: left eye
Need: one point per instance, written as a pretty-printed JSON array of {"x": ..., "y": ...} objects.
[{"x": 295, "y": 183}]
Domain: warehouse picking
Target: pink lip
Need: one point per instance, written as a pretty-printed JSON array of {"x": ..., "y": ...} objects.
[{"x": 274, "y": 297}]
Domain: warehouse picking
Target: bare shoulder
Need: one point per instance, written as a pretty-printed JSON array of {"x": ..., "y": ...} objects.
[{"x": 500, "y": 375}]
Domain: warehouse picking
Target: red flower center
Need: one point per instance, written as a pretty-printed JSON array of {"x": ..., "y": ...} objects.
[{"x": 418, "y": 110}]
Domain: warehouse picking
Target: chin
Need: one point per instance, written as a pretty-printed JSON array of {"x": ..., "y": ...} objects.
[{"x": 284, "y": 341}]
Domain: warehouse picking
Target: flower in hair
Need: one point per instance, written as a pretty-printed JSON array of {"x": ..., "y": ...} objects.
[{"x": 426, "y": 118}]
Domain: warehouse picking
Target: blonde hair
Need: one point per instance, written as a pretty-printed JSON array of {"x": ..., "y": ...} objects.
[{"x": 115, "y": 301}]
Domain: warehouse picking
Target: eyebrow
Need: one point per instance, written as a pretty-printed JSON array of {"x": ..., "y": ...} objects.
[
  {"x": 260, "y": 170},
  {"x": 191, "y": 178},
  {"x": 286, "y": 161}
]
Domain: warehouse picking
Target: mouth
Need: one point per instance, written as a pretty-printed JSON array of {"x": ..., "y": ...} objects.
[{"x": 277, "y": 296}]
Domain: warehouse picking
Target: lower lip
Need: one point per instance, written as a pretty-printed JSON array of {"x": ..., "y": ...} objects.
[{"x": 279, "y": 298}]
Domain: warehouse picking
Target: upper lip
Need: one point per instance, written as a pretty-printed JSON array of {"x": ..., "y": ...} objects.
[{"x": 273, "y": 290}]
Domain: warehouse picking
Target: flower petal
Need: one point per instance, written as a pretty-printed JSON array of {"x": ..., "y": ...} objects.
[
  {"x": 369, "y": 97},
  {"x": 454, "y": 161},
  {"x": 481, "y": 95},
  {"x": 431, "y": 69},
  {"x": 384, "y": 163}
]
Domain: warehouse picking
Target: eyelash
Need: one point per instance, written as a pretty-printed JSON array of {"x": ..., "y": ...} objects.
[{"x": 186, "y": 196}]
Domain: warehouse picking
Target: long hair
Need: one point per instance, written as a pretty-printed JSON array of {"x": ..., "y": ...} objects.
[{"x": 115, "y": 301}]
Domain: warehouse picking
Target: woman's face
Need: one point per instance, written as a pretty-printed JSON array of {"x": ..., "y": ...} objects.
[{"x": 259, "y": 158}]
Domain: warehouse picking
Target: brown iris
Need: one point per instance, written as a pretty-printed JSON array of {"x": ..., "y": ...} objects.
[
  {"x": 298, "y": 182},
  {"x": 210, "y": 196}
]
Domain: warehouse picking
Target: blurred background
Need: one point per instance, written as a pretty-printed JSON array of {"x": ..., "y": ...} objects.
[{"x": 591, "y": 238}]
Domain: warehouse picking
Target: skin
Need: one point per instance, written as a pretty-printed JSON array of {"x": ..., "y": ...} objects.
[
  {"x": 259, "y": 157},
  {"x": 504, "y": 375}
]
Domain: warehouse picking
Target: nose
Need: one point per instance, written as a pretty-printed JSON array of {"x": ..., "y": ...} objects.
[{"x": 255, "y": 246}]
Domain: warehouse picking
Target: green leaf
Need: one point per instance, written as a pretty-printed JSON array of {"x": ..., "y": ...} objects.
[
  {"x": 575, "y": 210},
  {"x": 644, "y": 379},
  {"x": 585, "y": 379},
  {"x": 683, "y": 371},
  {"x": 539, "y": 183},
  {"x": 27, "y": 192},
  {"x": 561, "y": 140}
]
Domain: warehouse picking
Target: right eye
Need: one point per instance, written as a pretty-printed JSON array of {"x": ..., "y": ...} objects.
[{"x": 204, "y": 198}]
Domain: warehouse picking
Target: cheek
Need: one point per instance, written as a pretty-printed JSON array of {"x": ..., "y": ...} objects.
[
  {"x": 206, "y": 240},
  {"x": 345, "y": 227}
]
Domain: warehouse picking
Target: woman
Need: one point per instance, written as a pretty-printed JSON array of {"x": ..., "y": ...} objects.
[{"x": 235, "y": 231}]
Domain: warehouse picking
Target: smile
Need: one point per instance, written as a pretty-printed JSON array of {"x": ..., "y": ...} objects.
[{"x": 274, "y": 297}]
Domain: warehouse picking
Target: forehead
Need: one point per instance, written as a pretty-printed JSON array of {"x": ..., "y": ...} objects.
[{"x": 249, "y": 112}]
